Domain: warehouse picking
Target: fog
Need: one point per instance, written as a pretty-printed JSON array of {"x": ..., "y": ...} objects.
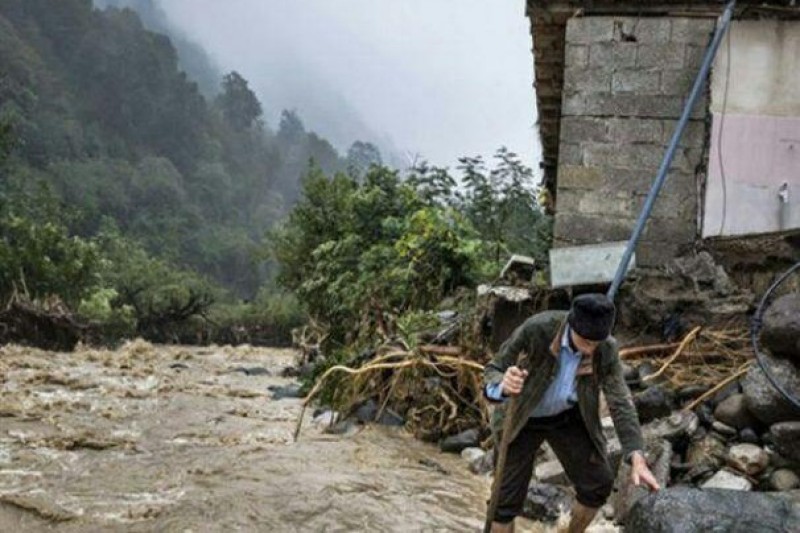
[{"x": 435, "y": 79}]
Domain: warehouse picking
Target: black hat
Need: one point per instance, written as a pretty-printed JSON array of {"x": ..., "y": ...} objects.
[{"x": 592, "y": 316}]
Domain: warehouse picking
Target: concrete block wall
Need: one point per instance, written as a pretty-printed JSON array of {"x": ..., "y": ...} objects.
[{"x": 625, "y": 82}]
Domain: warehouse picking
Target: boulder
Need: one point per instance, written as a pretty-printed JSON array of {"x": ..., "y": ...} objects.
[
  {"x": 289, "y": 391},
  {"x": 763, "y": 400},
  {"x": 784, "y": 479},
  {"x": 551, "y": 473},
  {"x": 677, "y": 428},
  {"x": 728, "y": 481},
  {"x": 732, "y": 411},
  {"x": 781, "y": 330},
  {"x": 545, "y": 503},
  {"x": 748, "y": 458},
  {"x": 786, "y": 439},
  {"x": 472, "y": 454},
  {"x": 652, "y": 403},
  {"x": 367, "y": 411},
  {"x": 749, "y": 435},
  {"x": 456, "y": 443},
  {"x": 683, "y": 509},
  {"x": 723, "y": 429},
  {"x": 707, "y": 451},
  {"x": 659, "y": 457},
  {"x": 483, "y": 465}
]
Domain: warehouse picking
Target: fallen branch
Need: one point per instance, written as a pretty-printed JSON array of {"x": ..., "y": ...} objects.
[
  {"x": 686, "y": 340},
  {"x": 641, "y": 351},
  {"x": 703, "y": 397}
]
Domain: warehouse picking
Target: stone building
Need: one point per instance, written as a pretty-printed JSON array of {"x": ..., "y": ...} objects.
[{"x": 611, "y": 82}]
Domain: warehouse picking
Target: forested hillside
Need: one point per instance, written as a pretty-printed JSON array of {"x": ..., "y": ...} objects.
[{"x": 100, "y": 110}]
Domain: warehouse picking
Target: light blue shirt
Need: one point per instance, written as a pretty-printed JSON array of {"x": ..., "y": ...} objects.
[{"x": 562, "y": 393}]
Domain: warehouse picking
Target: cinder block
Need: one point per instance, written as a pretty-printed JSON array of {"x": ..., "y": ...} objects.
[
  {"x": 635, "y": 130},
  {"x": 587, "y": 30},
  {"x": 694, "y": 135},
  {"x": 588, "y": 80},
  {"x": 580, "y": 177},
  {"x": 573, "y": 104},
  {"x": 692, "y": 30},
  {"x": 652, "y": 30},
  {"x": 612, "y": 56},
  {"x": 668, "y": 56},
  {"x": 636, "y": 81},
  {"x": 580, "y": 129},
  {"x": 576, "y": 228},
  {"x": 677, "y": 82},
  {"x": 576, "y": 56},
  {"x": 635, "y": 156},
  {"x": 570, "y": 154}
]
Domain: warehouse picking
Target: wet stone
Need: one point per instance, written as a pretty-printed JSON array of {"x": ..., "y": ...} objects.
[
  {"x": 683, "y": 509},
  {"x": 733, "y": 412},
  {"x": 727, "y": 480},
  {"x": 748, "y": 458},
  {"x": 546, "y": 502},
  {"x": 724, "y": 429},
  {"x": 652, "y": 403},
  {"x": 283, "y": 392},
  {"x": 456, "y": 443},
  {"x": 749, "y": 435},
  {"x": 786, "y": 437},
  {"x": 784, "y": 479}
]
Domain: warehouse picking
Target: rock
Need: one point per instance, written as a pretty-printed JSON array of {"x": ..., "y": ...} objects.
[
  {"x": 434, "y": 465},
  {"x": 652, "y": 403},
  {"x": 390, "y": 418},
  {"x": 705, "y": 414},
  {"x": 781, "y": 330},
  {"x": 724, "y": 429},
  {"x": 257, "y": 371},
  {"x": 551, "y": 473},
  {"x": 733, "y": 412},
  {"x": 786, "y": 438},
  {"x": 703, "y": 273},
  {"x": 726, "y": 392},
  {"x": 727, "y": 480},
  {"x": 690, "y": 392},
  {"x": 472, "y": 454},
  {"x": 707, "y": 451},
  {"x": 456, "y": 443},
  {"x": 644, "y": 370},
  {"x": 748, "y": 458},
  {"x": 683, "y": 509},
  {"x": 545, "y": 503},
  {"x": 659, "y": 457},
  {"x": 326, "y": 418},
  {"x": 766, "y": 403},
  {"x": 179, "y": 366},
  {"x": 342, "y": 427},
  {"x": 614, "y": 452},
  {"x": 630, "y": 374},
  {"x": 483, "y": 465},
  {"x": 366, "y": 412},
  {"x": 749, "y": 435},
  {"x": 784, "y": 479},
  {"x": 289, "y": 391},
  {"x": 678, "y": 427}
]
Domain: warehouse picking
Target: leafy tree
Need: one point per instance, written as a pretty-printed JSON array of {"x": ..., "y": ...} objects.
[
  {"x": 361, "y": 156},
  {"x": 239, "y": 104}
]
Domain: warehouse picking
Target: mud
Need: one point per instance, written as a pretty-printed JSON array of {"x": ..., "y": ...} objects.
[{"x": 154, "y": 438}]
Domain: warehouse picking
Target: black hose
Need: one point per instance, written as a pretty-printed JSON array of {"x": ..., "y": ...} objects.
[{"x": 756, "y": 329}]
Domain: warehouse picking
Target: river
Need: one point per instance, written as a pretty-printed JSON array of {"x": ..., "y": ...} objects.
[{"x": 165, "y": 438}]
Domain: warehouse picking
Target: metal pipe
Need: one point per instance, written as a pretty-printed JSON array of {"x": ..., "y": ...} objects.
[{"x": 711, "y": 51}]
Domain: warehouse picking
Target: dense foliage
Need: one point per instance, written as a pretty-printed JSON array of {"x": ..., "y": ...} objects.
[
  {"x": 103, "y": 112},
  {"x": 360, "y": 252}
]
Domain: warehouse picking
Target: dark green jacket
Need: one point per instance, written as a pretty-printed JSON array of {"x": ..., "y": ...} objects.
[{"x": 540, "y": 338}]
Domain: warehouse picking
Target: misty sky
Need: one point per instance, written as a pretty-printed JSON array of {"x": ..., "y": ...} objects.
[{"x": 439, "y": 78}]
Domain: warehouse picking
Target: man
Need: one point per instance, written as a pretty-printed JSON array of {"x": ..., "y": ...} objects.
[{"x": 570, "y": 357}]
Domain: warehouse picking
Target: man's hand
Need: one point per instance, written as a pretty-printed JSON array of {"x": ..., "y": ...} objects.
[
  {"x": 640, "y": 472},
  {"x": 513, "y": 380}
]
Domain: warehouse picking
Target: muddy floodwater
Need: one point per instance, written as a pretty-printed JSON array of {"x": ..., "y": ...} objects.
[{"x": 155, "y": 438}]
